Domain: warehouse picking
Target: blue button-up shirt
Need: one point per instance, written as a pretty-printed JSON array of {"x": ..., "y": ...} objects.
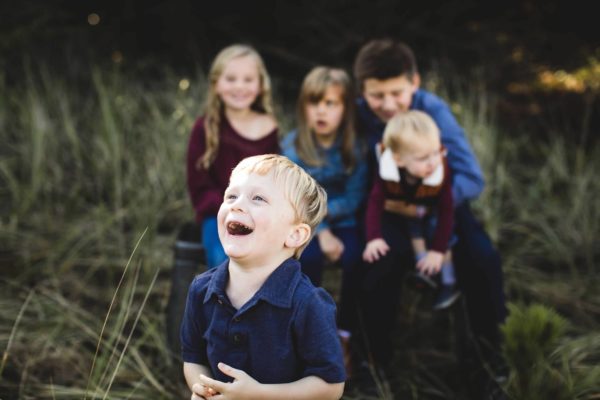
[
  {"x": 346, "y": 191},
  {"x": 467, "y": 177},
  {"x": 285, "y": 332}
]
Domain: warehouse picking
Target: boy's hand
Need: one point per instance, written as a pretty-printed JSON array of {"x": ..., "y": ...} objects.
[
  {"x": 242, "y": 387},
  {"x": 202, "y": 392},
  {"x": 375, "y": 249},
  {"x": 330, "y": 245},
  {"x": 431, "y": 263}
]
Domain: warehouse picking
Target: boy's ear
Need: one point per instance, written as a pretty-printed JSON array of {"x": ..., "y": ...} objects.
[
  {"x": 299, "y": 235},
  {"x": 416, "y": 80}
]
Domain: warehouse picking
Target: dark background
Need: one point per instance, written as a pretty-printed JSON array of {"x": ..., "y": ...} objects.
[{"x": 505, "y": 42}]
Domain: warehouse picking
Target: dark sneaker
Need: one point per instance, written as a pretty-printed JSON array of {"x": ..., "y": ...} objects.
[
  {"x": 447, "y": 296},
  {"x": 422, "y": 281}
]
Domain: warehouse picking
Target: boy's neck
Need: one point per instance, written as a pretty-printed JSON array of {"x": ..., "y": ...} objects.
[{"x": 247, "y": 279}]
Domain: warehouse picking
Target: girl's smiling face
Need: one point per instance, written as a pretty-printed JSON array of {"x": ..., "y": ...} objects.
[
  {"x": 239, "y": 84},
  {"x": 255, "y": 219}
]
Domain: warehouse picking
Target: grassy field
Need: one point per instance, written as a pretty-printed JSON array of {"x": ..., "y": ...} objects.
[{"x": 92, "y": 194}]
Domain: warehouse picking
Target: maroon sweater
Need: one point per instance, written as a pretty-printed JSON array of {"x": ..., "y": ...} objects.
[
  {"x": 439, "y": 197},
  {"x": 206, "y": 187}
]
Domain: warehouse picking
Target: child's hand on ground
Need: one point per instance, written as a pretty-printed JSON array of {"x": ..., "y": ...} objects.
[
  {"x": 242, "y": 387},
  {"x": 330, "y": 245},
  {"x": 431, "y": 263},
  {"x": 375, "y": 249}
]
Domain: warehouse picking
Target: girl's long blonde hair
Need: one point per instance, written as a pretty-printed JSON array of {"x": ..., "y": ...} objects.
[
  {"x": 313, "y": 89},
  {"x": 213, "y": 106}
]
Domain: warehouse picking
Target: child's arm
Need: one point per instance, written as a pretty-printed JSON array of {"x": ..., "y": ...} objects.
[
  {"x": 244, "y": 387},
  {"x": 355, "y": 191},
  {"x": 330, "y": 245},
  {"x": 445, "y": 216},
  {"x": 376, "y": 246},
  {"x": 205, "y": 194},
  {"x": 432, "y": 262},
  {"x": 467, "y": 180}
]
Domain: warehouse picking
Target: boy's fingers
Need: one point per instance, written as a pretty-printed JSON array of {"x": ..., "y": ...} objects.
[
  {"x": 212, "y": 384},
  {"x": 199, "y": 391},
  {"x": 230, "y": 371}
]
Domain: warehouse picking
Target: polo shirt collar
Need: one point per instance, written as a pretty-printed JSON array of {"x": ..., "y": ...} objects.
[
  {"x": 218, "y": 282},
  {"x": 278, "y": 289}
]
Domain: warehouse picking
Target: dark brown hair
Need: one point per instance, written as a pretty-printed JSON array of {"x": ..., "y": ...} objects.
[{"x": 383, "y": 59}]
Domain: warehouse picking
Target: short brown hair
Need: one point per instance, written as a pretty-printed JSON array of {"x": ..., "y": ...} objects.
[{"x": 383, "y": 59}]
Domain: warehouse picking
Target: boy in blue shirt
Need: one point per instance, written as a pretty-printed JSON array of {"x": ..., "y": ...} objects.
[
  {"x": 255, "y": 323},
  {"x": 387, "y": 77}
]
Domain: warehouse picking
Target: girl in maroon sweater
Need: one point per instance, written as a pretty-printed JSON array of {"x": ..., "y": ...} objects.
[
  {"x": 238, "y": 122},
  {"x": 413, "y": 168}
]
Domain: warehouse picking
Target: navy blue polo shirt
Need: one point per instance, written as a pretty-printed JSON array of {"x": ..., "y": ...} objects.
[{"x": 285, "y": 332}]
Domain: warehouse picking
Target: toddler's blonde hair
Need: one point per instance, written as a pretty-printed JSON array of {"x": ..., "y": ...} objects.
[
  {"x": 407, "y": 128},
  {"x": 307, "y": 197}
]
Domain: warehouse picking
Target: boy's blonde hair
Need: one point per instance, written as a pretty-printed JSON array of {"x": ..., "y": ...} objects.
[
  {"x": 307, "y": 197},
  {"x": 312, "y": 91},
  {"x": 407, "y": 128},
  {"x": 213, "y": 106}
]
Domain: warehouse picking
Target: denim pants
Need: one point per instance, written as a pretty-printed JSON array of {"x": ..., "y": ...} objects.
[
  {"x": 313, "y": 262},
  {"x": 215, "y": 255},
  {"x": 478, "y": 272}
]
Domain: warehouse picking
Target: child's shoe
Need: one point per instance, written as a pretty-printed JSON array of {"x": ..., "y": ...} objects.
[{"x": 446, "y": 297}]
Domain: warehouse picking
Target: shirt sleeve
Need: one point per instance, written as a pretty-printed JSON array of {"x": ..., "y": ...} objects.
[
  {"x": 375, "y": 209},
  {"x": 467, "y": 181},
  {"x": 318, "y": 342},
  {"x": 445, "y": 217},
  {"x": 204, "y": 192},
  {"x": 354, "y": 194},
  {"x": 193, "y": 344}
]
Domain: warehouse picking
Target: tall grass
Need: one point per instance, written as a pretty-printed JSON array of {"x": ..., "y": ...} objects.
[
  {"x": 86, "y": 167},
  {"x": 539, "y": 205},
  {"x": 89, "y": 162}
]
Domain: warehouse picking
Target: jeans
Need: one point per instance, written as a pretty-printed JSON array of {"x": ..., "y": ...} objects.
[
  {"x": 215, "y": 255},
  {"x": 478, "y": 272},
  {"x": 313, "y": 262}
]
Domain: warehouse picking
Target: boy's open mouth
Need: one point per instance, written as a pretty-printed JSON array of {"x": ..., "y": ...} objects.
[{"x": 237, "y": 228}]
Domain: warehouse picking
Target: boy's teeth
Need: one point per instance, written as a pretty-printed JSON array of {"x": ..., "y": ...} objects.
[{"x": 236, "y": 228}]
